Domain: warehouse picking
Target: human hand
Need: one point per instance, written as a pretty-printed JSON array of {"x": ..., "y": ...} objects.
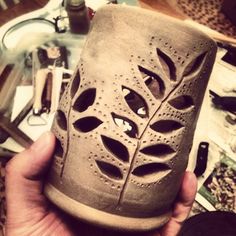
[
  {"x": 182, "y": 206},
  {"x": 30, "y": 213}
]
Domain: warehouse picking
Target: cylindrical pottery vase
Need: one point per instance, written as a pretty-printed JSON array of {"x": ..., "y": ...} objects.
[{"x": 125, "y": 124}]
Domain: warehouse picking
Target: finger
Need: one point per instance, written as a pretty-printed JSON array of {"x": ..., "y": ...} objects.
[
  {"x": 26, "y": 170},
  {"x": 183, "y": 206},
  {"x": 186, "y": 197}
]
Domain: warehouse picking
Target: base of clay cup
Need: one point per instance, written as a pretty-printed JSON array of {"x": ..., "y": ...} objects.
[{"x": 101, "y": 218}]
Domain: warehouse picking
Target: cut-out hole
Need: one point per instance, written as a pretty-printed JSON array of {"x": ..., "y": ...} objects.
[
  {"x": 85, "y": 100},
  {"x": 87, "y": 124},
  {"x": 167, "y": 65},
  {"x": 75, "y": 84},
  {"x": 195, "y": 65},
  {"x": 116, "y": 148},
  {"x": 128, "y": 126},
  {"x": 182, "y": 102},
  {"x": 58, "y": 149},
  {"x": 154, "y": 83},
  {"x": 158, "y": 150},
  {"x": 109, "y": 170},
  {"x": 135, "y": 101},
  {"x": 166, "y": 126},
  {"x": 61, "y": 120},
  {"x": 151, "y": 171},
  {"x": 141, "y": 111}
]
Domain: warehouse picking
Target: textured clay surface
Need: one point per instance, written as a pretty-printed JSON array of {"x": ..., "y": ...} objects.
[{"x": 125, "y": 124}]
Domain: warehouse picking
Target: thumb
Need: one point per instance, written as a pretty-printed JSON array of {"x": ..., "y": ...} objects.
[
  {"x": 32, "y": 163},
  {"x": 25, "y": 172}
]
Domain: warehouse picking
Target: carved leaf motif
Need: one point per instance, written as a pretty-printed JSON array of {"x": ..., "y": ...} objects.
[
  {"x": 61, "y": 120},
  {"x": 167, "y": 65},
  {"x": 128, "y": 126},
  {"x": 166, "y": 126},
  {"x": 151, "y": 171},
  {"x": 85, "y": 100},
  {"x": 109, "y": 170},
  {"x": 195, "y": 65},
  {"x": 182, "y": 102},
  {"x": 154, "y": 83},
  {"x": 158, "y": 150},
  {"x": 87, "y": 124},
  {"x": 116, "y": 148},
  {"x": 135, "y": 102},
  {"x": 75, "y": 84}
]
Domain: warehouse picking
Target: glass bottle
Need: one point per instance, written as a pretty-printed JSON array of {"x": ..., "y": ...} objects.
[{"x": 78, "y": 16}]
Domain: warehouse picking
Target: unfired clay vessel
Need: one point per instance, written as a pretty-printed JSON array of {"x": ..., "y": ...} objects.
[{"x": 125, "y": 124}]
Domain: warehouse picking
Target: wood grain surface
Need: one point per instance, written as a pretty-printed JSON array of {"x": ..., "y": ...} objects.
[{"x": 21, "y": 8}]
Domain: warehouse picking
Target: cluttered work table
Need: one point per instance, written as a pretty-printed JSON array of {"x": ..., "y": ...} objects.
[{"x": 31, "y": 42}]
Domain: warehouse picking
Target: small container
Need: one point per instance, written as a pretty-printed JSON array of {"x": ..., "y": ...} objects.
[
  {"x": 78, "y": 16},
  {"x": 125, "y": 123}
]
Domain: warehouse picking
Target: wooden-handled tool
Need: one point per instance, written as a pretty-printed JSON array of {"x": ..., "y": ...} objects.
[
  {"x": 15, "y": 132},
  {"x": 10, "y": 75},
  {"x": 40, "y": 81},
  {"x": 3, "y": 132}
]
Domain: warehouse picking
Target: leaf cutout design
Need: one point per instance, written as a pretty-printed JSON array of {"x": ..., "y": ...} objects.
[
  {"x": 85, "y": 99},
  {"x": 109, "y": 170},
  {"x": 58, "y": 149},
  {"x": 181, "y": 102},
  {"x": 75, "y": 84},
  {"x": 158, "y": 150},
  {"x": 167, "y": 65},
  {"x": 154, "y": 83},
  {"x": 151, "y": 171},
  {"x": 116, "y": 148},
  {"x": 61, "y": 120},
  {"x": 128, "y": 126},
  {"x": 87, "y": 124},
  {"x": 135, "y": 102},
  {"x": 195, "y": 65},
  {"x": 166, "y": 126}
]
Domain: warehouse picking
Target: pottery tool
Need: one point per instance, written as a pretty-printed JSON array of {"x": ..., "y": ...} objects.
[
  {"x": 52, "y": 60},
  {"x": 48, "y": 95},
  {"x": 202, "y": 155},
  {"x": 227, "y": 103},
  {"x": 4, "y": 134},
  {"x": 40, "y": 81},
  {"x": 15, "y": 132},
  {"x": 230, "y": 56},
  {"x": 10, "y": 76}
]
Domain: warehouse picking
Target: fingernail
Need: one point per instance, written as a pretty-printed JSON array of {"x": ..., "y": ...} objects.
[{"x": 41, "y": 142}]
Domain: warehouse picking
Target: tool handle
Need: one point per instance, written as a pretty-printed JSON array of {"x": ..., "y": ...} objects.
[
  {"x": 228, "y": 103},
  {"x": 15, "y": 132}
]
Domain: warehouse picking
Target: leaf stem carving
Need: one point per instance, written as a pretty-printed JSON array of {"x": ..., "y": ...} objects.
[
  {"x": 141, "y": 136},
  {"x": 66, "y": 149},
  {"x": 67, "y": 145}
]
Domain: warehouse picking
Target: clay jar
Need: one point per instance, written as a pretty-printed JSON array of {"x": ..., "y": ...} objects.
[{"x": 125, "y": 124}]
